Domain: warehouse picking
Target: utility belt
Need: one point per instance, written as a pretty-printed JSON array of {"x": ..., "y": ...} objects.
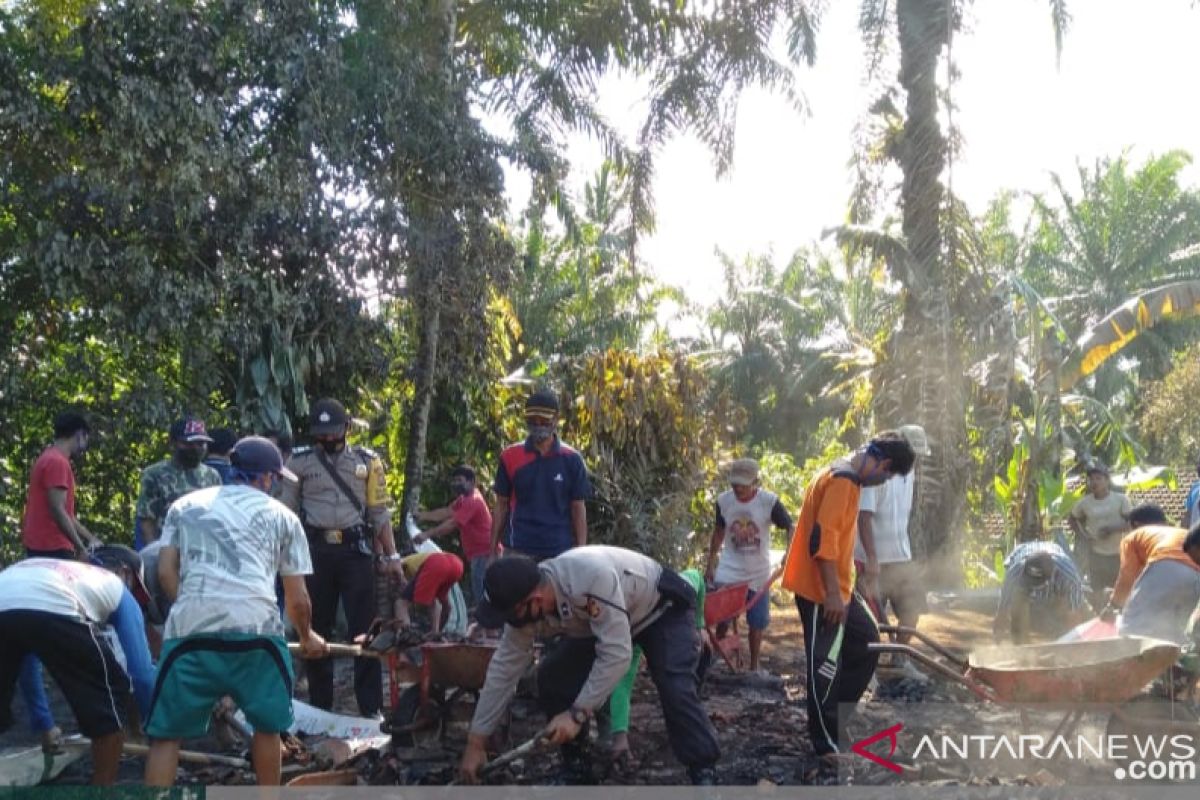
[
  {"x": 673, "y": 592},
  {"x": 356, "y": 537}
]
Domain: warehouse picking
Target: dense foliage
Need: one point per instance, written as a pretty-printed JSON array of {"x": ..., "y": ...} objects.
[{"x": 232, "y": 208}]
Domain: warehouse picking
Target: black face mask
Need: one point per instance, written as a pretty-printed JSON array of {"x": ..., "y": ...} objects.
[
  {"x": 460, "y": 489},
  {"x": 539, "y": 433},
  {"x": 520, "y": 622},
  {"x": 332, "y": 447},
  {"x": 188, "y": 457}
]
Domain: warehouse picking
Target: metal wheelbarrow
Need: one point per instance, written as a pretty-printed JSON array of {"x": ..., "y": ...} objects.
[
  {"x": 1065, "y": 676},
  {"x": 446, "y": 672},
  {"x": 726, "y": 605}
]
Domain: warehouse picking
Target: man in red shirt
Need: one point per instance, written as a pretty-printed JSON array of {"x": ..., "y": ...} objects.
[
  {"x": 470, "y": 516},
  {"x": 50, "y": 529}
]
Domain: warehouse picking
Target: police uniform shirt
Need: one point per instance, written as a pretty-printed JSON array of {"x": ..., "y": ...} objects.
[
  {"x": 322, "y": 504},
  {"x": 606, "y": 592}
]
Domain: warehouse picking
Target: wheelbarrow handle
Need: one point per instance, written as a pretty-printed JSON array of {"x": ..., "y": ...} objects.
[
  {"x": 957, "y": 676},
  {"x": 958, "y": 661},
  {"x": 766, "y": 587}
]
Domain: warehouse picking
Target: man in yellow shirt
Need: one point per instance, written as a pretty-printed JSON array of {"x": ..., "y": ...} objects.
[{"x": 819, "y": 569}]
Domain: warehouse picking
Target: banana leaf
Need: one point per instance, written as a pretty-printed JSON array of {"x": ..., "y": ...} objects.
[{"x": 1120, "y": 327}]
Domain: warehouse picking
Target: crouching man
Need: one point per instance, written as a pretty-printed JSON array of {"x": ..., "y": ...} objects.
[
  {"x": 428, "y": 577},
  {"x": 222, "y": 548},
  {"x": 52, "y": 609},
  {"x": 603, "y": 600},
  {"x": 1042, "y": 594},
  {"x": 1159, "y": 582}
]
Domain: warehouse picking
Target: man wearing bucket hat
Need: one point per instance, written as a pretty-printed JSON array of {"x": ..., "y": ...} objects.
[
  {"x": 883, "y": 556},
  {"x": 601, "y": 600},
  {"x": 746, "y": 512},
  {"x": 165, "y": 482},
  {"x": 222, "y": 549},
  {"x": 52, "y": 608}
]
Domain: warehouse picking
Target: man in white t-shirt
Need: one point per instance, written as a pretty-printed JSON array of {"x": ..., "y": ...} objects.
[
  {"x": 1100, "y": 520},
  {"x": 887, "y": 574},
  {"x": 222, "y": 548},
  {"x": 56, "y": 609},
  {"x": 742, "y": 538}
]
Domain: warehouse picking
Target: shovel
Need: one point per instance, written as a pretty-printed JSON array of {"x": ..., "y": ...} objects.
[
  {"x": 504, "y": 759},
  {"x": 340, "y": 651}
]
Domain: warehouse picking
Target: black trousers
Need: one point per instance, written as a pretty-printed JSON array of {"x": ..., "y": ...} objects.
[
  {"x": 672, "y": 648},
  {"x": 81, "y": 662},
  {"x": 343, "y": 572},
  {"x": 838, "y": 665}
]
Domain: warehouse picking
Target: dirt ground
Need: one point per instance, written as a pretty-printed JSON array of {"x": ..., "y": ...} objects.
[{"x": 760, "y": 722}]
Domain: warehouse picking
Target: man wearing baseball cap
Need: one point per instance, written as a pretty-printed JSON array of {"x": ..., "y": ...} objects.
[
  {"x": 600, "y": 600},
  {"x": 168, "y": 480},
  {"x": 49, "y": 608},
  {"x": 222, "y": 549},
  {"x": 540, "y": 488}
]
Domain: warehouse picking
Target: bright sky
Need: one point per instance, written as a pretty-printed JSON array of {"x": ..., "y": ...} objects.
[{"x": 1124, "y": 83}]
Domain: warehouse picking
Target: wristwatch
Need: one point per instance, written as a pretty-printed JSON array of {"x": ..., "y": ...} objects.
[
  {"x": 579, "y": 716},
  {"x": 392, "y": 557}
]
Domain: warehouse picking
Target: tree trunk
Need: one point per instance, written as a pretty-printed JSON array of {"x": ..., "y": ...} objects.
[
  {"x": 424, "y": 390},
  {"x": 924, "y": 380},
  {"x": 434, "y": 248}
]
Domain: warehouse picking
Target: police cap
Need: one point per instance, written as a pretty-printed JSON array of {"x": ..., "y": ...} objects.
[{"x": 328, "y": 417}]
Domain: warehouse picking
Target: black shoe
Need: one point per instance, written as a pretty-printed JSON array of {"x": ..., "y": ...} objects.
[{"x": 702, "y": 776}]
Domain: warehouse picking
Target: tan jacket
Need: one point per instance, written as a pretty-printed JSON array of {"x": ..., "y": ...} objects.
[
  {"x": 606, "y": 592},
  {"x": 322, "y": 504}
]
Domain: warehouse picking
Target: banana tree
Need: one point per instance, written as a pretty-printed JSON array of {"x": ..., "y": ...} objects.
[{"x": 1057, "y": 421}]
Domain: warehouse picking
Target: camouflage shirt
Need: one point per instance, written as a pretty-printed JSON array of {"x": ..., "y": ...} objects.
[{"x": 164, "y": 483}]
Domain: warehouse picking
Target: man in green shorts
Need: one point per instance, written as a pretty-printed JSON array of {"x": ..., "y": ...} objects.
[
  {"x": 618, "y": 701},
  {"x": 222, "y": 548}
]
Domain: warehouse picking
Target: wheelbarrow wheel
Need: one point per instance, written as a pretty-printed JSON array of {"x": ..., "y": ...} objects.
[{"x": 414, "y": 725}]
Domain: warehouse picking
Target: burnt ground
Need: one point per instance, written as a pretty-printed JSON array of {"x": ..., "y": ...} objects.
[{"x": 760, "y": 723}]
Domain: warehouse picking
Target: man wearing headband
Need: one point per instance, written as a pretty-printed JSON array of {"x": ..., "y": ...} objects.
[
  {"x": 540, "y": 488},
  {"x": 819, "y": 569},
  {"x": 53, "y": 609},
  {"x": 1042, "y": 594}
]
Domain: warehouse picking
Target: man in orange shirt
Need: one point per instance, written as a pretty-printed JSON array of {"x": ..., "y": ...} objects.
[
  {"x": 1159, "y": 583},
  {"x": 819, "y": 569}
]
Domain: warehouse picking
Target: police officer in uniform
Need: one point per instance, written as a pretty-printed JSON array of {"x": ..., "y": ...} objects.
[
  {"x": 601, "y": 600},
  {"x": 341, "y": 497}
]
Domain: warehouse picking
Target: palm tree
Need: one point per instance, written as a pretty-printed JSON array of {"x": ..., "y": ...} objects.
[{"x": 923, "y": 381}]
